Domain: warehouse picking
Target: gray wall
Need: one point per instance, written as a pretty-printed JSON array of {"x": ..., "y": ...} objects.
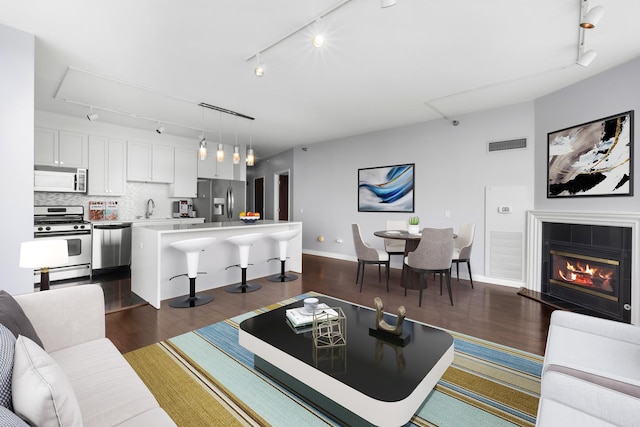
[
  {"x": 453, "y": 168},
  {"x": 17, "y": 50},
  {"x": 267, "y": 169},
  {"x": 609, "y": 93}
]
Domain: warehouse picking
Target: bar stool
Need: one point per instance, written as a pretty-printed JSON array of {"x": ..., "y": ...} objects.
[
  {"x": 283, "y": 238},
  {"x": 192, "y": 249},
  {"x": 244, "y": 242}
]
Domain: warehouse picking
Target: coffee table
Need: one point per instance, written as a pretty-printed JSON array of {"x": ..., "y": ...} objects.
[{"x": 367, "y": 381}]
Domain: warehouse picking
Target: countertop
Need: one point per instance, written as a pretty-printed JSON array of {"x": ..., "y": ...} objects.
[
  {"x": 216, "y": 225},
  {"x": 149, "y": 221}
]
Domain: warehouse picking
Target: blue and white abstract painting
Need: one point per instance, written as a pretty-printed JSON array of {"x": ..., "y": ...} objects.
[{"x": 386, "y": 189}]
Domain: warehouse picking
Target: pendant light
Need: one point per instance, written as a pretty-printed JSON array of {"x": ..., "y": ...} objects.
[
  {"x": 202, "y": 151},
  {"x": 250, "y": 157},
  {"x": 236, "y": 149},
  {"x": 220, "y": 153}
]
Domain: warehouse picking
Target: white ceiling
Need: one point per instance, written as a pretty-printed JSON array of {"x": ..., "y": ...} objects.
[{"x": 417, "y": 61}]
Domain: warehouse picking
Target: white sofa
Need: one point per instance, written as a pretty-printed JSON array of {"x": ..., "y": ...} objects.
[
  {"x": 71, "y": 324},
  {"x": 591, "y": 373}
]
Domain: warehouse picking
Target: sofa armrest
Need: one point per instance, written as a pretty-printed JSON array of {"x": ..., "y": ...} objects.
[
  {"x": 67, "y": 316},
  {"x": 594, "y": 325}
]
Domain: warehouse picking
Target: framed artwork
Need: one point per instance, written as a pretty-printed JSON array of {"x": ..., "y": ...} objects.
[
  {"x": 386, "y": 188},
  {"x": 592, "y": 159}
]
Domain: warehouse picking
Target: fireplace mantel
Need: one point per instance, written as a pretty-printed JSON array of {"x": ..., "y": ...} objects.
[{"x": 535, "y": 219}]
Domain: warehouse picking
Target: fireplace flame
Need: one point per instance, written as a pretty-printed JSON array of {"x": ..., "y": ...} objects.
[{"x": 584, "y": 274}]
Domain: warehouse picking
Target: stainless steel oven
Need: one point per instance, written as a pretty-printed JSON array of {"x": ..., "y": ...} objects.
[{"x": 67, "y": 223}]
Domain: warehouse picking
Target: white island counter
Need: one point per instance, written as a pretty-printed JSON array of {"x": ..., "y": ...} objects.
[{"x": 154, "y": 262}]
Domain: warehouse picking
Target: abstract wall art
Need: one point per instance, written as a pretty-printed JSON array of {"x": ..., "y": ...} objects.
[
  {"x": 386, "y": 188},
  {"x": 592, "y": 159}
]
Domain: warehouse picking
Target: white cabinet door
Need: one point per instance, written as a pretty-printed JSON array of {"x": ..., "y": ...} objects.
[
  {"x": 73, "y": 149},
  {"x": 45, "y": 147},
  {"x": 138, "y": 161},
  {"x": 185, "y": 182},
  {"x": 162, "y": 165},
  {"x": 149, "y": 162},
  {"x": 207, "y": 167},
  {"x": 60, "y": 148},
  {"x": 106, "y": 166}
]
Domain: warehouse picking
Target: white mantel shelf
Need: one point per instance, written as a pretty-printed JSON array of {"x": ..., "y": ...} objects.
[
  {"x": 535, "y": 219},
  {"x": 154, "y": 261}
]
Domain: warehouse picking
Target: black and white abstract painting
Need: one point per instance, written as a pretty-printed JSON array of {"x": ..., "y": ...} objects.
[{"x": 592, "y": 159}]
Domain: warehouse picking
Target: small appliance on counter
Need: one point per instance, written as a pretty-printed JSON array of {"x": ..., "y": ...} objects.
[{"x": 181, "y": 209}]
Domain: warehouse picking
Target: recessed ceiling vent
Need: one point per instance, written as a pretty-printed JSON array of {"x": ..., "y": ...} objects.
[{"x": 511, "y": 144}]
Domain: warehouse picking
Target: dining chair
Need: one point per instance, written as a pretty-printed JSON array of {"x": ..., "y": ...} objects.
[
  {"x": 462, "y": 248},
  {"x": 367, "y": 254},
  {"x": 433, "y": 255},
  {"x": 395, "y": 246}
]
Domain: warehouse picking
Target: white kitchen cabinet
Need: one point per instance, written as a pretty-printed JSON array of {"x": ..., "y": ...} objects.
[
  {"x": 149, "y": 162},
  {"x": 211, "y": 168},
  {"x": 107, "y": 160},
  {"x": 60, "y": 148},
  {"x": 185, "y": 181}
]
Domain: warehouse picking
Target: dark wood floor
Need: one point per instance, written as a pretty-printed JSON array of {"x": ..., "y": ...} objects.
[{"x": 490, "y": 312}]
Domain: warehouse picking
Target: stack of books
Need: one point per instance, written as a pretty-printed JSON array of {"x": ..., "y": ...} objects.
[{"x": 301, "y": 320}]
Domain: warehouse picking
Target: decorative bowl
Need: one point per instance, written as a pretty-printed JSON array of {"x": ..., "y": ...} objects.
[{"x": 249, "y": 219}]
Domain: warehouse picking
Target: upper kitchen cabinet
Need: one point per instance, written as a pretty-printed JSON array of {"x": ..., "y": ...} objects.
[
  {"x": 211, "y": 168},
  {"x": 60, "y": 148},
  {"x": 186, "y": 178},
  {"x": 149, "y": 162},
  {"x": 107, "y": 160}
]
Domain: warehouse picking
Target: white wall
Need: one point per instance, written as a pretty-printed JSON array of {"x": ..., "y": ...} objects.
[
  {"x": 17, "y": 50},
  {"x": 453, "y": 168}
]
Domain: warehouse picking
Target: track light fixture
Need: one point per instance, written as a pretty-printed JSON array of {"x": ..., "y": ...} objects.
[
  {"x": 318, "y": 38},
  {"x": 160, "y": 128},
  {"x": 589, "y": 18},
  {"x": 259, "y": 70},
  {"x": 593, "y": 16},
  {"x": 92, "y": 116}
]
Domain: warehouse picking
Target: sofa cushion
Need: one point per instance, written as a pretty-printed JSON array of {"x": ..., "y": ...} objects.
[
  {"x": 7, "y": 348},
  {"x": 108, "y": 389},
  {"x": 41, "y": 392},
  {"x": 9, "y": 419},
  {"x": 12, "y": 316}
]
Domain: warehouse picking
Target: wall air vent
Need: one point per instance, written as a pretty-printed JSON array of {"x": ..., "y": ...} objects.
[{"x": 511, "y": 144}]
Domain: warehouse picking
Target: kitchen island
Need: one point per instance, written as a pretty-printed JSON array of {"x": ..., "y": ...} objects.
[{"x": 154, "y": 261}]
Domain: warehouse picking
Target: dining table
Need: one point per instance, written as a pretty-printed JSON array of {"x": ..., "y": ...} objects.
[{"x": 411, "y": 242}]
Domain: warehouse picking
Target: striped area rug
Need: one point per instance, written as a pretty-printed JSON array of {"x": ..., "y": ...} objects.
[{"x": 205, "y": 378}]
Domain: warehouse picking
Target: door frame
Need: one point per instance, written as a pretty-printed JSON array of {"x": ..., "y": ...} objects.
[{"x": 276, "y": 193}]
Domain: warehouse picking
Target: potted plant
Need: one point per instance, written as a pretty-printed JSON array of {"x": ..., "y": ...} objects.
[{"x": 413, "y": 227}]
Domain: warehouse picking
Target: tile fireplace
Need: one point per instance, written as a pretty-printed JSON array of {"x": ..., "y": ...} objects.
[{"x": 586, "y": 259}]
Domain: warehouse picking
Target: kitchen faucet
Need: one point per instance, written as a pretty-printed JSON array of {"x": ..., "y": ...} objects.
[{"x": 150, "y": 206}]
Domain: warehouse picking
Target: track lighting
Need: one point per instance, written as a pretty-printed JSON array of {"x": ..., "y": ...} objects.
[
  {"x": 220, "y": 153},
  {"x": 387, "y": 3},
  {"x": 587, "y": 57},
  {"x": 160, "y": 128},
  {"x": 318, "y": 38},
  {"x": 92, "y": 116},
  {"x": 592, "y": 17}
]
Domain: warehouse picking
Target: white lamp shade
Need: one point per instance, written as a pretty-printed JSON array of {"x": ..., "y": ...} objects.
[{"x": 43, "y": 253}]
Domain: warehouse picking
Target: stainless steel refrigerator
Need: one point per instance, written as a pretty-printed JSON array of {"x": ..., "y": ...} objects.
[{"x": 220, "y": 199}]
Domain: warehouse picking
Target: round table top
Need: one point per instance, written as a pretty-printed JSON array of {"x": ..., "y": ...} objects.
[{"x": 397, "y": 234}]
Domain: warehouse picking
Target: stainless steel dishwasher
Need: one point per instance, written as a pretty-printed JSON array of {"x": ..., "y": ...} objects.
[{"x": 111, "y": 246}]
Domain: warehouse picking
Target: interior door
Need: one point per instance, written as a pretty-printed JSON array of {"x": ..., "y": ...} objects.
[
  {"x": 283, "y": 197},
  {"x": 258, "y": 196}
]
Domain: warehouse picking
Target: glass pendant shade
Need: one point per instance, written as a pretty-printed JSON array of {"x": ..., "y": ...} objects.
[
  {"x": 202, "y": 152},
  {"x": 250, "y": 157},
  {"x": 220, "y": 153},
  {"x": 236, "y": 155}
]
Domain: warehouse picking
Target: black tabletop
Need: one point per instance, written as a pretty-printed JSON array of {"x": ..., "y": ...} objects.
[{"x": 372, "y": 366}]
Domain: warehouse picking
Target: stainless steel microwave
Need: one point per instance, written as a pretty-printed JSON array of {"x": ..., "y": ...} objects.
[{"x": 59, "y": 180}]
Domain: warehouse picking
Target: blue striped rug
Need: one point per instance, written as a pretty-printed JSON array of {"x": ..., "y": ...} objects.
[{"x": 487, "y": 384}]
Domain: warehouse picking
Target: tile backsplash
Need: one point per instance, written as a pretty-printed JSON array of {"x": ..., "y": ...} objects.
[{"x": 130, "y": 206}]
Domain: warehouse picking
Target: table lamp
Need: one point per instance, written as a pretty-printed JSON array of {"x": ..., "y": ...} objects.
[{"x": 43, "y": 254}]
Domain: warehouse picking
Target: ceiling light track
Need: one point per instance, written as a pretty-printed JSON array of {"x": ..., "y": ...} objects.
[
  {"x": 224, "y": 110},
  {"x": 298, "y": 29}
]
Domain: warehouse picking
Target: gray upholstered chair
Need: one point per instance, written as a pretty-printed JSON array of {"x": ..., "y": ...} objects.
[
  {"x": 368, "y": 255},
  {"x": 433, "y": 255},
  {"x": 462, "y": 248},
  {"x": 395, "y": 246}
]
